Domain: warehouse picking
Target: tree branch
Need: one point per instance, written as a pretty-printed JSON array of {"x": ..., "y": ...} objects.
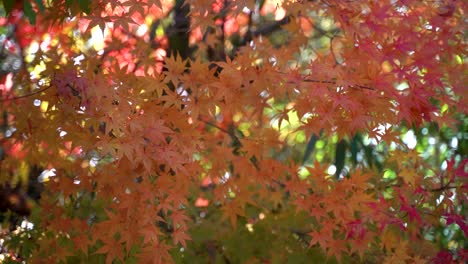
[{"x": 25, "y": 95}]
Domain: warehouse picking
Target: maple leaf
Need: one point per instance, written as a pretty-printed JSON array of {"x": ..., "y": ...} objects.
[
  {"x": 130, "y": 237},
  {"x": 156, "y": 3},
  {"x": 457, "y": 219},
  {"x": 359, "y": 245},
  {"x": 175, "y": 67},
  {"x": 399, "y": 255},
  {"x": 410, "y": 209},
  {"x": 323, "y": 237},
  {"x": 180, "y": 236},
  {"x": 150, "y": 233},
  {"x": 98, "y": 21},
  {"x": 113, "y": 250},
  {"x": 157, "y": 131},
  {"x": 408, "y": 176},
  {"x": 336, "y": 249},
  {"x": 179, "y": 218},
  {"x": 203, "y": 21},
  {"x": 156, "y": 254},
  {"x": 461, "y": 171},
  {"x": 81, "y": 242},
  {"x": 231, "y": 210}
]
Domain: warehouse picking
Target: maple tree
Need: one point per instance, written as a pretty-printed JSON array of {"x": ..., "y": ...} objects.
[{"x": 235, "y": 131}]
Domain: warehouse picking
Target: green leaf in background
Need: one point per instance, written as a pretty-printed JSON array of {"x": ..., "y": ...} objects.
[
  {"x": 78, "y": 6},
  {"x": 29, "y": 12},
  {"x": 8, "y": 5},
  {"x": 40, "y": 5},
  {"x": 369, "y": 152},
  {"x": 340, "y": 155},
  {"x": 84, "y": 5},
  {"x": 310, "y": 148},
  {"x": 355, "y": 148}
]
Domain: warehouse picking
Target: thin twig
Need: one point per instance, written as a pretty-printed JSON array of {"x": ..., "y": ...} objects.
[
  {"x": 25, "y": 95},
  {"x": 333, "y": 52},
  {"x": 220, "y": 128},
  {"x": 334, "y": 82}
]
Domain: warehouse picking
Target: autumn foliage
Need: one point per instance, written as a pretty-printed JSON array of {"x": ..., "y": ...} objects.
[{"x": 186, "y": 131}]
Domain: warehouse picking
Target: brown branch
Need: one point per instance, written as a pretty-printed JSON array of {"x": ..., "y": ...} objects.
[
  {"x": 232, "y": 135},
  {"x": 441, "y": 188},
  {"x": 331, "y": 82},
  {"x": 333, "y": 52},
  {"x": 334, "y": 82},
  {"x": 272, "y": 27},
  {"x": 269, "y": 28},
  {"x": 25, "y": 95}
]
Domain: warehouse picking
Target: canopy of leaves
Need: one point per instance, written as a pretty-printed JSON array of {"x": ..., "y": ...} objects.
[{"x": 234, "y": 131}]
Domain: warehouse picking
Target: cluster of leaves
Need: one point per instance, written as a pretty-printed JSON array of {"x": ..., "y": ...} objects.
[{"x": 206, "y": 130}]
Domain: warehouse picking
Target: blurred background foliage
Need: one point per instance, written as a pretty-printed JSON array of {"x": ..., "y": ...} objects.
[{"x": 273, "y": 229}]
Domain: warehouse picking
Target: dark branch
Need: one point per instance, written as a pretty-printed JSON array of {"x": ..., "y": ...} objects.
[
  {"x": 25, "y": 95},
  {"x": 232, "y": 135}
]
